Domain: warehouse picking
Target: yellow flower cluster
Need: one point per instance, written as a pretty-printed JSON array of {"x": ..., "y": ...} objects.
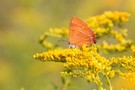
[
  {"x": 58, "y": 55},
  {"x": 125, "y": 62},
  {"x": 102, "y": 24},
  {"x": 111, "y": 47},
  {"x": 122, "y": 44},
  {"x": 120, "y": 47},
  {"x": 88, "y": 64}
]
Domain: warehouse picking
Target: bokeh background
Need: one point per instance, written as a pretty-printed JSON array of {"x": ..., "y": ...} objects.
[{"x": 21, "y": 24}]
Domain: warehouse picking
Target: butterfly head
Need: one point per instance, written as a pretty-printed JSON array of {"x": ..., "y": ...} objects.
[{"x": 73, "y": 46}]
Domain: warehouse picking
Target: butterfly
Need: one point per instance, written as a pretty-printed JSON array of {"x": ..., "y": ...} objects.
[{"x": 80, "y": 34}]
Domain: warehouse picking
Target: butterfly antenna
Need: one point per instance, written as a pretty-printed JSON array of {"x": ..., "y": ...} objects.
[
  {"x": 66, "y": 42},
  {"x": 63, "y": 40}
]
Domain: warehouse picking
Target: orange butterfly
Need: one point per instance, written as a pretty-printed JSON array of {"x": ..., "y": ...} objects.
[{"x": 80, "y": 34}]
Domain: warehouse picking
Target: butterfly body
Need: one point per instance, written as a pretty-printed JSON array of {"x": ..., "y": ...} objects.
[{"x": 80, "y": 33}]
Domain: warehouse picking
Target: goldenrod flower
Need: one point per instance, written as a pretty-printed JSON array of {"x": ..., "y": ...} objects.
[
  {"x": 87, "y": 62},
  {"x": 125, "y": 62}
]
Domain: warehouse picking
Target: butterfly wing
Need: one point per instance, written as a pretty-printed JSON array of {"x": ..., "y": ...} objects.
[{"x": 80, "y": 33}]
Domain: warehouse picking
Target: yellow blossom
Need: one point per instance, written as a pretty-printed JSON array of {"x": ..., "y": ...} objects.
[
  {"x": 86, "y": 62},
  {"x": 127, "y": 63}
]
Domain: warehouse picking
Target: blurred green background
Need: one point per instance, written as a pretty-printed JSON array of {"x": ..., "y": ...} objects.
[{"x": 21, "y": 24}]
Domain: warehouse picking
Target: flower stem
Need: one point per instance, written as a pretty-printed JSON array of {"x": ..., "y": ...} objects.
[
  {"x": 109, "y": 83},
  {"x": 66, "y": 83}
]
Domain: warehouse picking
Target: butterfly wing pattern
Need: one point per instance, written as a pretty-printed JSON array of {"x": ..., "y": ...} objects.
[{"x": 80, "y": 33}]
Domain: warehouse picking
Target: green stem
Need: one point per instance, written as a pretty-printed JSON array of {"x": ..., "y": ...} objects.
[
  {"x": 100, "y": 86},
  {"x": 66, "y": 82},
  {"x": 108, "y": 80}
]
